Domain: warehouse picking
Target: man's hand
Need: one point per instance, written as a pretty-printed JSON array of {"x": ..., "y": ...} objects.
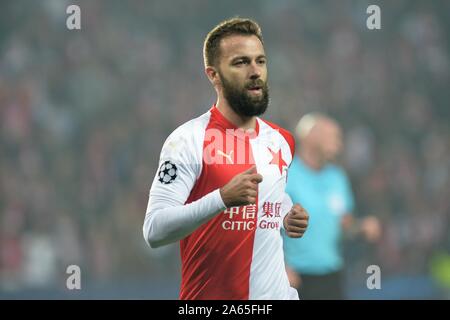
[
  {"x": 296, "y": 221},
  {"x": 371, "y": 229},
  {"x": 242, "y": 189},
  {"x": 294, "y": 278}
]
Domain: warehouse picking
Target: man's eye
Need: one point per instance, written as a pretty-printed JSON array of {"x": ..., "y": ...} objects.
[
  {"x": 262, "y": 61},
  {"x": 240, "y": 62}
]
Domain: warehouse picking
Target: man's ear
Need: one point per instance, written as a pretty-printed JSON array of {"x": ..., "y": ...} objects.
[{"x": 212, "y": 75}]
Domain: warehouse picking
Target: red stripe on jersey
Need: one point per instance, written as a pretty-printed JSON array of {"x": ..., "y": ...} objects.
[
  {"x": 216, "y": 262},
  {"x": 285, "y": 133}
]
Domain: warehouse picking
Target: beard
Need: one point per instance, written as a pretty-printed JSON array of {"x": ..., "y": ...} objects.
[{"x": 241, "y": 101}]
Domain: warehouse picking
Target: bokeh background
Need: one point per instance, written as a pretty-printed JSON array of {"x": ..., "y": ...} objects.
[{"x": 84, "y": 114}]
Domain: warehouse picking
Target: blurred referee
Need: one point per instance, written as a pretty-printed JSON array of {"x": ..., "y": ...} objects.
[{"x": 314, "y": 263}]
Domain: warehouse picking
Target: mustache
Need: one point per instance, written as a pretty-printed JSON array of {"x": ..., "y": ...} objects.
[{"x": 258, "y": 83}]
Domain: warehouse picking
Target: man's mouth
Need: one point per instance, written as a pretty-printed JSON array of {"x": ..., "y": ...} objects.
[{"x": 255, "y": 89}]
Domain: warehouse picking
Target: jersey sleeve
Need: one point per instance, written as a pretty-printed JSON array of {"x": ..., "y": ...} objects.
[
  {"x": 286, "y": 206},
  {"x": 168, "y": 218},
  {"x": 177, "y": 172}
]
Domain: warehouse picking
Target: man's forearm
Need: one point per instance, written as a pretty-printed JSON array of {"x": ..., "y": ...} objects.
[{"x": 164, "y": 225}]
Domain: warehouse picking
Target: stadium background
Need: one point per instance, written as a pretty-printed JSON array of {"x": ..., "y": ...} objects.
[{"x": 83, "y": 116}]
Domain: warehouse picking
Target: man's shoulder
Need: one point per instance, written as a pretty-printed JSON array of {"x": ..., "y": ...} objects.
[
  {"x": 279, "y": 128},
  {"x": 191, "y": 128},
  {"x": 187, "y": 137},
  {"x": 297, "y": 168},
  {"x": 336, "y": 170}
]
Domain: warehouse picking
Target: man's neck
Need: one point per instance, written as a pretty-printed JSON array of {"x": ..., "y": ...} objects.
[
  {"x": 311, "y": 159},
  {"x": 236, "y": 119}
]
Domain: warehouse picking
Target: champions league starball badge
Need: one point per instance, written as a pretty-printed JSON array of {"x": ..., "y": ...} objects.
[{"x": 167, "y": 172}]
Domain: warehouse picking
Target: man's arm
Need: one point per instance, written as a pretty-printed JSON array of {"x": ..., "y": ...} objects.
[
  {"x": 168, "y": 218},
  {"x": 294, "y": 278},
  {"x": 295, "y": 218},
  {"x": 286, "y": 206},
  {"x": 167, "y": 221},
  {"x": 368, "y": 227},
  {"x": 165, "y": 224}
]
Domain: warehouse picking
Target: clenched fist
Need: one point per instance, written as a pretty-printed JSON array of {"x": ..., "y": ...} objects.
[
  {"x": 242, "y": 189},
  {"x": 296, "y": 221}
]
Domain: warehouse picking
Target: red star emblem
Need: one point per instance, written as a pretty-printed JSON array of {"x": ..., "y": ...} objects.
[{"x": 277, "y": 160}]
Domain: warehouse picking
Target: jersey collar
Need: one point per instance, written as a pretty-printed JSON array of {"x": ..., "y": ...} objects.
[{"x": 218, "y": 116}]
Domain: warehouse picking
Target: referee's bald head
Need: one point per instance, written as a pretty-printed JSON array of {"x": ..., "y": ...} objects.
[
  {"x": 320, "y": 134},
  {"x": 307, "y": 123}
]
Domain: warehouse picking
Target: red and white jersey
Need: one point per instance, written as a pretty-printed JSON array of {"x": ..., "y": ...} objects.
[{"x": 230, "y": 253}]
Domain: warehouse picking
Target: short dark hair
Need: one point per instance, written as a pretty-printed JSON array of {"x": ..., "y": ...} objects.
[{"x": 239, "y": 26}]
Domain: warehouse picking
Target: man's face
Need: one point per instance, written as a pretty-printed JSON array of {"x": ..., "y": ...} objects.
[
  {"x": 243, "y": 74},
  {"x": 330, "y": 140}
]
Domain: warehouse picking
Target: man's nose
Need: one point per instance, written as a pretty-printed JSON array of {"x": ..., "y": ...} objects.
[
  {"x": 255, "y": 76},
  {"x": 255, "y": 71}
]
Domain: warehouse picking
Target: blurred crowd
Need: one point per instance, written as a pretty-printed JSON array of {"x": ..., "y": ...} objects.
[{"x": 84, "y": 113}]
